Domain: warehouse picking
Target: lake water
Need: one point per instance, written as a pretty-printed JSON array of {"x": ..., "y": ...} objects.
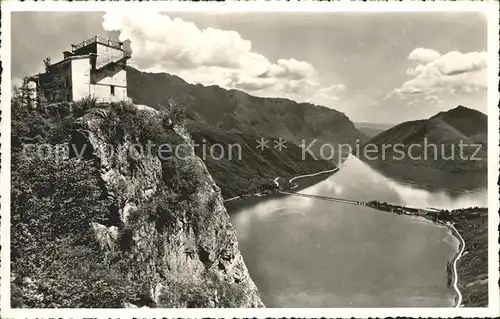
[{"x": 304, "y": 252}]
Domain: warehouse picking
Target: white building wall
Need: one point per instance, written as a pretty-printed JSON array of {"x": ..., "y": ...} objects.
[
  {"x": 102, "y": 89},
  {"x": 80, "y": 77},
  {"x": 117, "y": 79},
  {"x": 106, "y": 54},
  {"x": 103, "y": 93}
]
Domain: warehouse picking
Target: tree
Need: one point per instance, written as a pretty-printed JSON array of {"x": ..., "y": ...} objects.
[
  {"x": 176, "y": 113},
  {"x": 444, "y": 215},
  {"x": 47, "y": 63}
]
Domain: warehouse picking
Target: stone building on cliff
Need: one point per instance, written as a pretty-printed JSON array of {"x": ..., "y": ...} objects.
[{"x": 93, "y": 68}]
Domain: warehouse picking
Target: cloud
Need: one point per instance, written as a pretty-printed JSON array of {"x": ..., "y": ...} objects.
[
  {"x": 158, "y": 40},
  {"x": 253, "y": 83},
  {"x": 433, "y": 99},
  {"x": 208, "y": 56},
  {"x": 411, "y": 103},
  {"x": 424, "y": 55},
  {"x": 289, "y": 69},
  {"x": 331, "y": 92},
  {"x": 453, "y": 72},
  {"x": 423, "y": 101}
]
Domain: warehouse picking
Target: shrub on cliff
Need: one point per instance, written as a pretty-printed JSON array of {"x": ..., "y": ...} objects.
[
  {"x": 52, "y": 200},
  {"x": 206, "y": 293},
  {"x": 45, "y": 124},
  {"x": 28, "y": 126},
  {"x": 73, "y": 277},
  {"x": 55, "y": 260},
  {"x": 175, "y": 113},
  {"x": 124, "y": 120},
  {"x": 82, "y": 106}
]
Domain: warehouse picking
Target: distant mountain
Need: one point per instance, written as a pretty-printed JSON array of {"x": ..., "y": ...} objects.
[
  {"x": 372, "y": 129},
  {"x": 442, "y": 163},
  {"x": 228, "y": 117},
  {"x": 236, "y": 111},
  {"x": 468, "y": 121}
]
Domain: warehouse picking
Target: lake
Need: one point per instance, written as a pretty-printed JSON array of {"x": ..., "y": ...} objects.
[{"x": 304, "y": 252}]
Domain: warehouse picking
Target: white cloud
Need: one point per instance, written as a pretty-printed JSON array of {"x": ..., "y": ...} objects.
[
  {"x": 158, "y": 40},
  {"x": 290, "y": 69},
  {"x": 430, "y": 100},
  {"x": 411, "y": 102},
  {"x": 453, "y": 72},
  {"x": 207, "y": 56},
  {"x": 424, "y": 55},
  {"x": 331, "y": 92},
  {"x": 253, "y": 83},
  {"x": 433, "y": 99}
]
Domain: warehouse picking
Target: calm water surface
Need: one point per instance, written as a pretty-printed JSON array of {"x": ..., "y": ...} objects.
[{"x": 304, "y": 252}]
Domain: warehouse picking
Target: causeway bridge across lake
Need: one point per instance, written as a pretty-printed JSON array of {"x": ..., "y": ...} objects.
[
  {"x": 409, "y": 210},
  {"x": 328, "y": 198}
]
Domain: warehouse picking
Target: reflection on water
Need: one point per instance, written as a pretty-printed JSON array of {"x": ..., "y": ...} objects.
[
  {"x": 356, "y": 180},
  {"x": 304, "y": 252}
]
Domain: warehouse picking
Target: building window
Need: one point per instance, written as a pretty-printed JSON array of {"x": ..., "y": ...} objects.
[{"x": 112, "y": 88}]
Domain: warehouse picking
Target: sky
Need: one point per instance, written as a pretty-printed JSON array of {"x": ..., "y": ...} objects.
[{"x": 379, "y": 67}]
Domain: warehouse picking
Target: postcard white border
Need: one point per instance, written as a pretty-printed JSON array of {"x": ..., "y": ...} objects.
[{"x": 489, "y": 8}]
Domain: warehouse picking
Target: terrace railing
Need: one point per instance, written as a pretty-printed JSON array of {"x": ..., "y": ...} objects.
[{"x": 99, "y": 39}]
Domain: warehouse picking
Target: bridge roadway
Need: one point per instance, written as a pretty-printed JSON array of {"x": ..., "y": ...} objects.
[{"x": 332, "y": 199}]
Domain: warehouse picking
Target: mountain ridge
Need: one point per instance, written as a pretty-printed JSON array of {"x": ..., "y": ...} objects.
[
  {"x": 228, "y": 117},
  {"x": 441, "y": 165},
  {"x": 236, "y": 110},
  {"x": 461, "y": 121}
]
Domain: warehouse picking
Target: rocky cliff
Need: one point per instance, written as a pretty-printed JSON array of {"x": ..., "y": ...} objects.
[{"x": 167, "y": 221}]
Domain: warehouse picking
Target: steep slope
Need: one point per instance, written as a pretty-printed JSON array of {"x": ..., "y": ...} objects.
[
  {"x": 465, "y": 120},
  {"x": 232, "y": 110},
  {"x": 229, "y": 117},
  {"x": 448, "y": 148},
  {"x": 163, "y": 232},
  {"x": 242, "y": 167},
  {"x": 173, "y": 213},
  {"x": 472, "y": 224}
]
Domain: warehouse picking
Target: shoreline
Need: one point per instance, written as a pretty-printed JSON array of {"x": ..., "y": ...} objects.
[
  {"x": 454, "y": 260},
  {"x": 334, "y": 170},
  {"x": 452, "y": 273},
  {"x": 275, "y": 180}
]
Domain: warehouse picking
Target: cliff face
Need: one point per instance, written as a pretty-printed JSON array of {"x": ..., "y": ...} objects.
[{"x": 168, "y": 220}]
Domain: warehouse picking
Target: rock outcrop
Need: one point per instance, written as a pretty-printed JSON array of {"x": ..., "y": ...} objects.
[{"x": 168, "y": 219}]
